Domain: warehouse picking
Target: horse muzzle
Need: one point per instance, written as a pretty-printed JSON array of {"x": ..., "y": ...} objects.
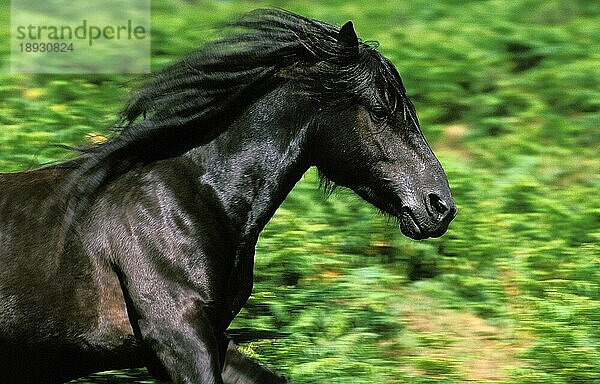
[{"x": 430, "y": 219}]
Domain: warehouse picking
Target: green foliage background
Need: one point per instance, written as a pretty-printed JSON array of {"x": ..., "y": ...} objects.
[{"x": 508, "y": 94}]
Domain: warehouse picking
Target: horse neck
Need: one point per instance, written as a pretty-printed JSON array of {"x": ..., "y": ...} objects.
[{"x": 253, "y": 165}]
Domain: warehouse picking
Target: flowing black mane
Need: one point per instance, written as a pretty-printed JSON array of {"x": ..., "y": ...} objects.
[{"x": 190, "y": 102}]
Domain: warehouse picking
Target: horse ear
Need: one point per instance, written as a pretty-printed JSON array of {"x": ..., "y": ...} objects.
[{"x": 347, "y": 36}]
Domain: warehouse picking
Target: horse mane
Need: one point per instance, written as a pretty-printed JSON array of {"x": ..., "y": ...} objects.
[{"x": 190, "y": 102}]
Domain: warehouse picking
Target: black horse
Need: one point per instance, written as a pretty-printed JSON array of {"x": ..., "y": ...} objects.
[{"x": 140, "y": 251}]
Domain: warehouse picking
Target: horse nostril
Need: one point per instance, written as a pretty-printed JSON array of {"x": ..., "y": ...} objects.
[{"x": 437, "y": 204}]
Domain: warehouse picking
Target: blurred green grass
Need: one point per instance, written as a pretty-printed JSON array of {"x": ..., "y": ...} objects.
[{"x": 508, "y": 94}]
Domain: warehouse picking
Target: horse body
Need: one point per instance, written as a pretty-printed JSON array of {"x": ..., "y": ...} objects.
[
  {"x": 201, "y": 215},
  {"x": 152, "y": 270}
]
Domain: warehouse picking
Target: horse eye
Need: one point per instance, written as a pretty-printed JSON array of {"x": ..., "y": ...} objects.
[{"x": 379, "y": 114}]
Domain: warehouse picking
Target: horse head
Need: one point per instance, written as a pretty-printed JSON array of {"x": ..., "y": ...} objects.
[{"x": 369, "y": 140}]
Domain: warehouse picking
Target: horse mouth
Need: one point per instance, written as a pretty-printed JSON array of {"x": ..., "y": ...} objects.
[{"x": 410, "y": 227}]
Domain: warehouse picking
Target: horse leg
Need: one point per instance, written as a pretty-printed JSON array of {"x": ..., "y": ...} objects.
[
  {"x": 187, "y": 350},
  {"x": 239, "y": 369},
  {"x": 176, "y": 327}
]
